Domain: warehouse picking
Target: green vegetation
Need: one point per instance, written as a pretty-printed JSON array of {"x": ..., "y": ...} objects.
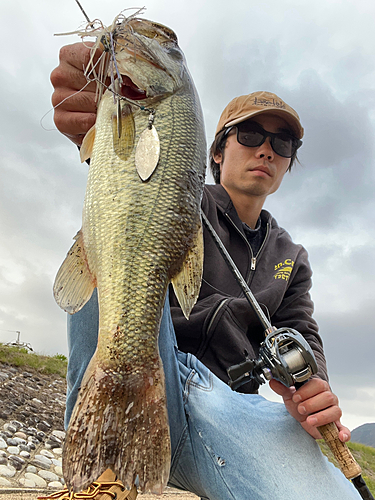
[
  {"x": 62, "y": 357},
  {"x": 16, "y": 356},
  {"x": 365, "y": 456}
]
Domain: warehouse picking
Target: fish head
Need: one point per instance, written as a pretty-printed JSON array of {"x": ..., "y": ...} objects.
[{"x": 149, "y": 60}]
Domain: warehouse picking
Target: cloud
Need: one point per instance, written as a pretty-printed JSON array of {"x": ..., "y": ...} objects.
[{"x": 336, "y": 177}]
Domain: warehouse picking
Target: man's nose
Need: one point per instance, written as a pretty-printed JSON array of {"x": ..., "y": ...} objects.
[{"x": 265, "y": 150}]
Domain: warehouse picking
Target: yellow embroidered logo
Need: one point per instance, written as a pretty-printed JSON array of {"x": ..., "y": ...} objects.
[{"x": 283, "y": 270}]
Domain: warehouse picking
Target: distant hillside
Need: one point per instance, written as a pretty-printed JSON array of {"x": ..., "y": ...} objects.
[{"x": 364, "y": 434}]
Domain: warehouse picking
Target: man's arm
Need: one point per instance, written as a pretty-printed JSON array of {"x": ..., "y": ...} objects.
[
  {"x": 314, "y": 404},
  {"x": 75, "y": 109}
]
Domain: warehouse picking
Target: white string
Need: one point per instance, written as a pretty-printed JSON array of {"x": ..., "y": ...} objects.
[{"x": 59, "y": 104}]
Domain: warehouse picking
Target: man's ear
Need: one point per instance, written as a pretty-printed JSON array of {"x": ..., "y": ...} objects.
[{"x": 218, "y": 158}]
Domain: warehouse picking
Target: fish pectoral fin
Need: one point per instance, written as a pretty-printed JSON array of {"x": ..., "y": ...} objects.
[
  {"x": 187, "y": 283},
  {"x": 74, "y": 283},
  {"x": 87, "y": 146},
  {"x": 123, "y": 132}
]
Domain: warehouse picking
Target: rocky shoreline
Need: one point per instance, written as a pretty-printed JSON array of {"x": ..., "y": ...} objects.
[
  {"x": 31, "y": 436},
  {"x": 31, "y": 429}
]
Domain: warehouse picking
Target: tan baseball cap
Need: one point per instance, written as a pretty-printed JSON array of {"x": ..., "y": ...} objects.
[{"x": 246, "y": 106}]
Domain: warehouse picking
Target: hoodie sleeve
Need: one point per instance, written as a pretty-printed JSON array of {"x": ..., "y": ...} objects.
[{"x": 297, "y": 307}]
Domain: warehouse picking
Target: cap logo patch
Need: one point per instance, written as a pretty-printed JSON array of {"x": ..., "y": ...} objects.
[
  {"x": 283, "y": 270},
  {"x": 269, "y": 102}
]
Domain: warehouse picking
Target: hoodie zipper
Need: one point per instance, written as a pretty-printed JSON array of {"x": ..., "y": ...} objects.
[{"x": 253, "y": 261}]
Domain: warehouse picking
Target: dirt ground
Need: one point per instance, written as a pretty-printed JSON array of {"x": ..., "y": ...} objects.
[{"x": 170, "y": 494}]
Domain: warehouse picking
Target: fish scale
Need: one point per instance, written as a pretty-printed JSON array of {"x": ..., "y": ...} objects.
[
  {"x": 137, "y": 236},
  {"x": 148, "y": 207}
]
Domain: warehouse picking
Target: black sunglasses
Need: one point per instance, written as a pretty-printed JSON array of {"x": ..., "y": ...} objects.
[{"x": 252, "y": 135}]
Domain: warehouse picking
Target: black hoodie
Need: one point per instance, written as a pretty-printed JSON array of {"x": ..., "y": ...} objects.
[{"x": 222, "y": 325}]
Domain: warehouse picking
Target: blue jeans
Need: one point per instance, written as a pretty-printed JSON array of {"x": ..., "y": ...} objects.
[{"x": 225, "y": 445}]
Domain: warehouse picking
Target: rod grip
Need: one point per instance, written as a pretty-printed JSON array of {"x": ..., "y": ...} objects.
[{"x": 341, "y": 452}]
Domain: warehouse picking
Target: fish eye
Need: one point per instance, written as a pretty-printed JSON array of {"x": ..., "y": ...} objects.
[{"x": 175, "y": 52}]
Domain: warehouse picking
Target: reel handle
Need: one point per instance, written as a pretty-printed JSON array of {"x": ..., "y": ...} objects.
[{"x": 348, "y": 465}]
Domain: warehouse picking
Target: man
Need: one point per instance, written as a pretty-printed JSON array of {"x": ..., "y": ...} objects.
[{"x": 226, "y": 444}]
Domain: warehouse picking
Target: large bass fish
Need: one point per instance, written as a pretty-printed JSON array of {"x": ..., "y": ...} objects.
[{"x": 141, "y": 230}]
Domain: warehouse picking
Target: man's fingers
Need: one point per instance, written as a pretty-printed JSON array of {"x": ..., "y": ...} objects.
[
  {"x": 68, "y": 100},
  {"x": 74, "y": 99},
  {"x": 312, "y": 405},
  {"x": 70, "y": 77},
  {"x": 344, "y": 432},
  {"x": 73, "y": 60},
  {"x": 74, "y": 125},
  {"x": 310, "y": 389},
  {"x": 323, "y": 417},
  {"x": 313, "y": 431},
  {"x": 317, "y": 403},
  {"x": 77, "y": 55},
  {"x": 285, "y": 392}
]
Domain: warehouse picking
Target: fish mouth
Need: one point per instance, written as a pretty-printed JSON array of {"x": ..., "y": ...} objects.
[{"x": 130, "y": 90}]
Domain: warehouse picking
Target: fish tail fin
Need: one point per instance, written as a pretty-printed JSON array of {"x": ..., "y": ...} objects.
[{"x": 120, "y": 423}]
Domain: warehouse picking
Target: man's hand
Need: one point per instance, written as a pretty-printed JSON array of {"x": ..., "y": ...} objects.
[
  {"x": 77, "y": 114},
  {"x": 313, "y": 405}
]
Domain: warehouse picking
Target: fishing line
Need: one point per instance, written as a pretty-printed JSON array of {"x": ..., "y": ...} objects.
[
  {"x": 59, "y": 104},
  {"x": 113, "y": 53}
]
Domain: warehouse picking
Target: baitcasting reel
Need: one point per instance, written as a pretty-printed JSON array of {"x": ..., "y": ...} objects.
[{"x": 284, "y": 355}]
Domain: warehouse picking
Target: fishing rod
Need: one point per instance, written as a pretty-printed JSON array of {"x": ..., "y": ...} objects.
[
  {"x": 84, "y": 13},
  {"x": 286, "y": 356}
]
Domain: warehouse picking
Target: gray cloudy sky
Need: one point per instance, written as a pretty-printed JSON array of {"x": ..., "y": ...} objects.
[{"x": 318, "y": 56}]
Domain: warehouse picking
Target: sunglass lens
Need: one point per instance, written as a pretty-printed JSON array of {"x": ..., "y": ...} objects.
[
  {"x": 283, "y": 145},
  {"x": 250, "y": 138}
]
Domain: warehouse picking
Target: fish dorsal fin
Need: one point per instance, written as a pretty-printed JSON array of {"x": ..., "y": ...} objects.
[
  {"x": 123, "y": 132},
  {"x": 147, "y": 153},
  {"x": 187, "y": 283},
  {"x": 87, "y": 145},
  {"x": 74, "y": 283}
]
